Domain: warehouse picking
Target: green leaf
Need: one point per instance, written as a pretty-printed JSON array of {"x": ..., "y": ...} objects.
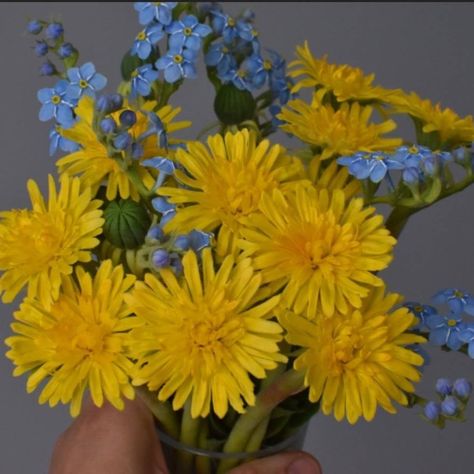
[{"x": 128, "y": 65}]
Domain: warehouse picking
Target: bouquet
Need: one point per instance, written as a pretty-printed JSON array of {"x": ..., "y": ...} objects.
[{"x": 230, "y": 282}]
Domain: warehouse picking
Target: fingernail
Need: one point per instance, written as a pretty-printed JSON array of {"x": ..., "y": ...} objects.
[{"x": 302, "y": 465}]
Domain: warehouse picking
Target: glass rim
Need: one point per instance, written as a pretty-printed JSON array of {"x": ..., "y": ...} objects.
[{"x": 168, "y": 440}]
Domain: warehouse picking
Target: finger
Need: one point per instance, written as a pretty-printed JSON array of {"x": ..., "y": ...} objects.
[
  {"x": 284, "y": 463},
  {"x": 108, "y": 440}
]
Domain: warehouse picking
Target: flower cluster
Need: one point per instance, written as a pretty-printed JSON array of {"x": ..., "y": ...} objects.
[
  {"x": 448, "y": 329},
  {"x": 453, "y": 401},
  {"x": 228, "y": 275}
]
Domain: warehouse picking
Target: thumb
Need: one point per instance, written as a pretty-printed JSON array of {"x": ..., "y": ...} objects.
[{"x": 296, "y": 462}]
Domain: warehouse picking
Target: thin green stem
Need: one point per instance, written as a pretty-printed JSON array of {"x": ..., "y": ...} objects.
[
  {"x": 203, "y": 463},
  {"x": 283, "y": 387},
  {"x": 256, "y": 438},
  {"x": 189, "y": 436},
  {"x": 162, "y": 412}
]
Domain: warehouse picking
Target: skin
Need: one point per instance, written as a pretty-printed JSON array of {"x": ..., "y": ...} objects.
[{"x": 104, "y": 440}]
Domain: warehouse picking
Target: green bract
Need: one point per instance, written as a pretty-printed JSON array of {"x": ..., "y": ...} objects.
[
  {"x": 233, "y": 106},
  {"x": 126, "y": 223}
]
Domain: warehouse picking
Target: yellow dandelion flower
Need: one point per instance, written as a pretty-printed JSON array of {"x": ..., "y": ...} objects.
[
  {"x": 321, "y": 248},
  {"x": 343, "y": 81},
  {"x": 37, "y": 246},
  {"x": 338, "y": 132},
  {"x": 452, "y": 129},
  {"x": 225, "y": 181},
  {"x": 202, "y": 337},
  {"x": 93, "y": 163},
  {"x": 360, "y": 360},
  {"x": 79, "y": 343}
]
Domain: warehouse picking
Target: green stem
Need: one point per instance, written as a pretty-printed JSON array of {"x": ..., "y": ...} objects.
[
  {"x": 189, "y": 436},
  {"x": 283, "y": 387},
  {"x": 162, "y": 412},
  {"x": 256, "y": 438},
  {"x": 398, "y": 218},
  {"x": 203, "y": 463}
]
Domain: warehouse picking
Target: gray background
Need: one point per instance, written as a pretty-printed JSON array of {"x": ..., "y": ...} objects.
[{"x": 423, "y": 47}]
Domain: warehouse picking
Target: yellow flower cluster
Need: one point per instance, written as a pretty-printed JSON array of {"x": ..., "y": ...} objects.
[
  {"x": 336, "y": 132},
  {"x": 295, "y": 258},
  {"x": 452, "y": 129},
  {"x": 345, "y": 82}
]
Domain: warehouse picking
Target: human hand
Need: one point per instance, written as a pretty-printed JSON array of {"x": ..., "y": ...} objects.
[{"x": 105, "y": 440}]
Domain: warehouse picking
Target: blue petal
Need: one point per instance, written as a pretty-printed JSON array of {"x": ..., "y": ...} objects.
[
  {"x": 203, "y": 30},
  {"x": 172, "y": 73},
  {"x": 213, "y": 56},
  {"x": 147, "y": 15},
  {"x": 175, "y": 27},
  {"x": 470, "y": 350},
  {"x": 68, "y": 145},
  {"x": 163, "y": 62},
  {"x": 73, "y": 74},
  {"x": 435, "y": 321},
  {"x": 74, "y": 91},
  {"x": 156, "y": 35},
  {"x": 189, "y": 71},
  {"x": 142, "y": 87},
  {"x": 454, "y": 343},
  {"x": 190, "y": 54},
  {"x": 61, "y": 86},
  {"x": 164, "y": 15},
  {"x": 199, "y": 240},
  {"x": 167, "y": 217},
  {"x": 190, "y": 21},
  {"x": 44, "y": 95},
  {"x": 193, "y": 42},
  {"x": 455, "y": 305},
  {"x": 139, "y": 6},
  {"x": 176, "y": 41},
  {"x": 161, "y": 205},
  {"x": 143, "y": 50},
  {"x": 151, "y": 75},
  {"x": 54, "y": 138},
  {"x": 64, "y": 115},
  {"x": 87, "y": 70},
  {"x": 438, "y": 336},
  {"x": 378, "y": 172},
  {"x": 47, "y": 112},
  {"x": 98, "y": 81},
  {"x": 469, "y": 307}
]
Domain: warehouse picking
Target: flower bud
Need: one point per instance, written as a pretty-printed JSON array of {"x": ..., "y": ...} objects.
[
  {"x": 65, "y": 50},
  {"x": 34, "y": 27},
  {"x": 108, "y": 125},
  {"x": 160, "y": 258},
  {"x": 449, "y": 406},
  {"x": 444, "y": 386},
  {"x": 116, "y": 101},
  {"x": 122, "y": 141},
  {"x": 41, "y": 48},
  {"x": 156, "y": 233},
  {"x": 128, "y": 118},
  {"x": 47, "y": 69},
  {"x": 182, "y": 242},
  {"x": 432, "y": 411},
  {"x": 54, "y": 31},
  {"x": 462, "y": 388}
]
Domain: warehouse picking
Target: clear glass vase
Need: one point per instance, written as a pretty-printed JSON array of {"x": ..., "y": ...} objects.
[{"x": 184, "y": 459}]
